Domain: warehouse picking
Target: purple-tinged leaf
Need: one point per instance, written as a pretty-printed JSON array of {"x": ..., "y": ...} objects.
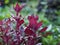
[
  {"x": 43, "y": 30},
  {"x": 1, "y": 22},
  {"x": 29, "y": 32},
  {"x": 18, "y": 8},
  {"x": 39, "y": 25}
]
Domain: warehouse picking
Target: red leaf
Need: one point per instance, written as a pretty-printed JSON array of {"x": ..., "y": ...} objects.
[
  {"x": 32, "y": 22},
  {"x": 33, "y": 16},
  {"x": 19, "y": 22},
  {"x": 30, "y": 41},
  {"x": 44, "y": 29},
  {"x": 39, "y": 25},
  {"x": 29, "y": 32},
  {"x": 1, "y": 22},
  {"x": 18, "y": 8}
]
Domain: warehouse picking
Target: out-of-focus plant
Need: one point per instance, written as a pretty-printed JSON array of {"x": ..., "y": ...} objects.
[{"x": 13, "y": 31}]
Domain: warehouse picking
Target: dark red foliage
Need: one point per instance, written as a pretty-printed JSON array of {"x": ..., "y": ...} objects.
[
  {"x": 1, "y": 22},
  {"x": 43, "y": 30},
  {"x": 19, "y": 22},
  {"x": 33, "y": 22},
  {"x": 29, "y": 32},
  {"x": 18, "y": 8},
  {"x": 6, "y": 27}
]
